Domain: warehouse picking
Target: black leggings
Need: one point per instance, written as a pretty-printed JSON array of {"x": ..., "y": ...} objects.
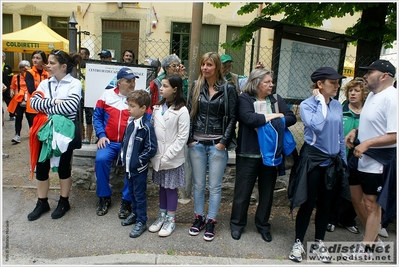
[
  {"x": 64, "y": 168},
  {"x": 19, "y": 115},
  {"x": 318, "y": 196}
]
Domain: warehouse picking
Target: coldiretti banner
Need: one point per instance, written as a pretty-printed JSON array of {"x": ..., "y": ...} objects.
[{"x": 22, "y": 44}]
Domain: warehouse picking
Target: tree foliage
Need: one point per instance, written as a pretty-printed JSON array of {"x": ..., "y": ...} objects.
[{"x": 313, "y": 15}]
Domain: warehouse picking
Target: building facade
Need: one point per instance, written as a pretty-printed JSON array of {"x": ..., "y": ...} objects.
[{"x": 149, "y": 29}]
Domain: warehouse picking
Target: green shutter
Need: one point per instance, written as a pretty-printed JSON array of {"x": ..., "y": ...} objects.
[
  {"x": 209, "y": 39},
  {"x": 237, "y": 55},
  {"x": 7, "y": 28},
  {"x": 112, "y": 41}
]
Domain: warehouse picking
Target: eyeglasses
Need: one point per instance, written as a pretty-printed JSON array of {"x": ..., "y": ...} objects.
[{"x": 174, "y": 66}]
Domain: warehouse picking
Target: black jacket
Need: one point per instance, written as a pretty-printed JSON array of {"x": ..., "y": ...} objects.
[
  {"x": 311, "y": 157},
  {"x": 209, "y": 118},
  {"x": 387, "y": 157},
  {"x": 249, "y": 120},
  {"x": 7, "y": 71}
]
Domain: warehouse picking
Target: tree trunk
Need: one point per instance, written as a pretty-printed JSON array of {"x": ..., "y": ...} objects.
[{"x": 369, "y": 45}]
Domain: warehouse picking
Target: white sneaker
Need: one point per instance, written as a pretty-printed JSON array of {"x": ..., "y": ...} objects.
[
  {"x": 296, "y": 252},
  {"x": 359, "y": 255},
  {"x": 379, "y": 243},
  {"x": 168, "y": 226},
  {"x": 156, "y": 226},
  {"x": 320, "y": 250},
  {"x": 16, "y": 139},
  {"x": 383, "y": 233}
]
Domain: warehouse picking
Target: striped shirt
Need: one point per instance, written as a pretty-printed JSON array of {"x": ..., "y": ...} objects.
[{"x": 68, "y": 89}]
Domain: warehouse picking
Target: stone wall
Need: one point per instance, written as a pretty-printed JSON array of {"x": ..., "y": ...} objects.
[{"x": 83, "y": 177}]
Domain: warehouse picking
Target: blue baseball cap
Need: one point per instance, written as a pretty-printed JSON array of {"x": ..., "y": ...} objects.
[
  {"x": 126, "y": 73},
  {"x": 105, "y": 53}
]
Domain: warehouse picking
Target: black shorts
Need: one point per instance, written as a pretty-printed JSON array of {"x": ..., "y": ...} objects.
[
  {"x": 354, "y": 178},
  {"x": 64, "y": 167},
  {"x": 371, "y": 182}
]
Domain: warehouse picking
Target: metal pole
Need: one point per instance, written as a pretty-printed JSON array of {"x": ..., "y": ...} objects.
[
  {"x": 72, "y": 33},
  {"x": 195, "y": 42},
  {"x": 252, "y": 54},
  {"x": 79, "y": 39}
]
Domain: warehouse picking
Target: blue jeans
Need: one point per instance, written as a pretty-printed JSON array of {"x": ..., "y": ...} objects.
[{"x": 200, "y": 156}]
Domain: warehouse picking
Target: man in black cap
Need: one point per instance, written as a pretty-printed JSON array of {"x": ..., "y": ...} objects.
[
  {"x": 376, "y": 153},
  {"x": 105, "y": 55},
  {"x": 110, "y": 119}
]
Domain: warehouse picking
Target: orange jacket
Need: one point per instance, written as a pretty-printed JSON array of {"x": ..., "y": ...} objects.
[
  {"x": 19, "y": 93},
  {"x": 34, "y": 143},
  {"x": 37, "y": 78}
]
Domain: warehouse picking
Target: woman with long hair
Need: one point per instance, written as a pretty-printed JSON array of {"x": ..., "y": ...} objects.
[
  {"x": 171, "y": 122},
  {"x": 58, "y": 95},
  {"x": 209, "y": 136}
]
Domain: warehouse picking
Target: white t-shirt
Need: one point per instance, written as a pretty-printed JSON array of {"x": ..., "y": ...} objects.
[
  {"x": 378, "y": 117},
  {"x": 130, "y": 144}
]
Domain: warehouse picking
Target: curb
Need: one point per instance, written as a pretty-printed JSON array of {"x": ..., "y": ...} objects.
[{"x": 148, "y": 259}]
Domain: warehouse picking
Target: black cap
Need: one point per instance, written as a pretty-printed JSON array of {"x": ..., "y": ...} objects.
[
  {"x": 381, "y": 65},
  {"x": 325, "y": 73}
]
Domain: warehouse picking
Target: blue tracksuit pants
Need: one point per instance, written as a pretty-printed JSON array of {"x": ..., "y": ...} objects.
[
  {"x": 104, "y": 158},
  {"x": 137, "y": 188}
]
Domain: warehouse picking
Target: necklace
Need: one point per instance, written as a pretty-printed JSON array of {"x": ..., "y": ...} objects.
[{"x": 355, "y": 110}]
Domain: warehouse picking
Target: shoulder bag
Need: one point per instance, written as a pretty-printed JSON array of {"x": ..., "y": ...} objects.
[
  {"x": 233, "y": 142},
  {"x": 76, "y": 142},
  {"x": 289, "y": 142}
]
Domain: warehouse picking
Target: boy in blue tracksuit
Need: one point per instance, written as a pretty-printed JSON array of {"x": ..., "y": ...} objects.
[{"x": 139, "y": 145}]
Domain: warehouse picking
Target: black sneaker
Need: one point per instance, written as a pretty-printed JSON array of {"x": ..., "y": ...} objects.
[
  {"x": 125, "y": 209},
  {"x": 209, "y": 234},
  {"x": 197, "y": 226},
  {"x": 41, "y": 207},
  {"x": 103, "y": 205},
  {"x": 131, "y": 219},
  {"x": 138, "y": 229},
  {"x": 62, "y": 207}
]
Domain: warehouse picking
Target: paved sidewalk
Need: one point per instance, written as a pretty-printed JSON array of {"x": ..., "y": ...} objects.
[{"x": 83, "y": 238}]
